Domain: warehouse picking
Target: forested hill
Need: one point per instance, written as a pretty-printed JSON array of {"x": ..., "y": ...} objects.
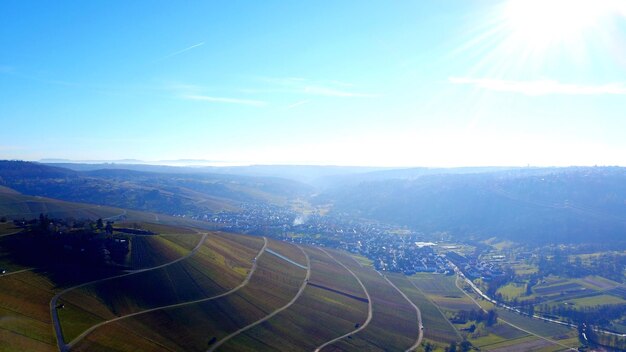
[
  {"x": 578, "y": 204},
  {"x": 169, "y": 193}
]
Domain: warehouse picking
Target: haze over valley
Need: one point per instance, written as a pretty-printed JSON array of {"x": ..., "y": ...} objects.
[{"x": 430, "y": 176}]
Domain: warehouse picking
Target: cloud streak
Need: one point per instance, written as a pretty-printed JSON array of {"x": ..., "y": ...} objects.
[
  {"x": 332, "y": 92},
  {"x": 298, "y": 85},
  {"x": 541, "y": 87},
  {"x": 225, "y": 100},
  {"x": 296, "y": 104},
  {"x": 182, "y": 51}
]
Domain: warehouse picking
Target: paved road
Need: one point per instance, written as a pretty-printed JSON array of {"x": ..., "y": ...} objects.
[
  {"x": 293, "y": 300},
  {"x": 420, "y": 334},
  {"x": 63, "y": 347},
  {"x": 369, "y": 305},
  {"x": 287, "y": 259},
  {"x": 241, "y": 285}
]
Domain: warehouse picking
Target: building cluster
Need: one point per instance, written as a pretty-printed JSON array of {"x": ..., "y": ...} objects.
[
  {"x": 475, "y": 268},
  {"x": 390, "y": 248}
]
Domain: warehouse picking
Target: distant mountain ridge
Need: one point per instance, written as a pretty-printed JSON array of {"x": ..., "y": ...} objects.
[
  {"x": 549, "y": 205},
  {"x": 169, "y": 193}
]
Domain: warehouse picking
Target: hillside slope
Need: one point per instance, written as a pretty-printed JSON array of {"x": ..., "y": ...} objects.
[
  {"x": 169, "y": 193},
  {"x": 550, "y": 205}
]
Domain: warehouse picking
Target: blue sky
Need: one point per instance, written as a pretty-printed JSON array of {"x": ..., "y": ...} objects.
[{"x": 389, "y": 83}]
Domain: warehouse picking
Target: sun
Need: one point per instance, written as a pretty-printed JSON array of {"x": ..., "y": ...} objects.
[{"x": 540, "y": 24}]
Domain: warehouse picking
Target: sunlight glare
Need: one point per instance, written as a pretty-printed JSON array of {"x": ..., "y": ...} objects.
[{"x": 541, "y": 23}]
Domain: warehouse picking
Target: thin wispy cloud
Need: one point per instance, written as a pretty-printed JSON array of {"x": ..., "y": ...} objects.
[
  {"x": 541, "y": 87},
  {"x": 298, "y": 85},
  {"x": 225, "y": 100},
  {"x": 332, "y": 92},
  {"x": 296, "y": 104},
  {"x": 181, "y": 51}
]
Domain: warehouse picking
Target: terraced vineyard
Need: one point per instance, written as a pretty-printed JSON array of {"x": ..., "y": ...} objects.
[{"x": 226, "y": 292}]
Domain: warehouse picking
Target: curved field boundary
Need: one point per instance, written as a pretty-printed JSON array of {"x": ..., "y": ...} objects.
[
  {"x": 418, "y": 313},
  {"x": 269, "y": 316},
  {"x": 53, "y": 302},
  {"x": 233, "y": 290},
  {"x": 369, "y": 305}
]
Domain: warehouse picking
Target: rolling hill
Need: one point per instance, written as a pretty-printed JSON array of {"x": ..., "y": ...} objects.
[
  {"x": 167, "y": 193},
  {"x": 524, "y": 205}
]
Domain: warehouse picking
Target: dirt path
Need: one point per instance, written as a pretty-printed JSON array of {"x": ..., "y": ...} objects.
[
  {"x": 420, "y": 327},
  {"x": 16, "y": 272},
  {"x": 235, "y": 289},
  {"x": 293, "y": 300},
  {"x": 63, "y": 347},
  {"x": 438, "y": 309},
  {"x": 369, "y": 305}
]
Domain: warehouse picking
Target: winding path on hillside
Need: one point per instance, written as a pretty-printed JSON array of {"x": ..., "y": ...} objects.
[
  {"x": 369, "y": 304},
  {"x": 233, "y": 290},
  {"x": 269, "y": 316},
  {"x": 438, "y": 309},
  {"x": 63, "y": 347},
  {"x": 418, "y": 313}
]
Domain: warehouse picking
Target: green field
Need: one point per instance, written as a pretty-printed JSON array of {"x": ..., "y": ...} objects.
[
  {"x": 512, "y": 290},
  {"x": 442, "y": 291},
  {"x": 594, "y": 301}
]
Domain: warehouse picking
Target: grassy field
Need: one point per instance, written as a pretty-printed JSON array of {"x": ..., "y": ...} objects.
[
  {"x": 150, "y": 251},
  {"x": 221, "y": 263},
  {"x": 524, "y": 269},
  {"x": 317, "y": 316},
  {"x": 394, "y": 324},
  {"x": 25, "y": 323},
  {"x": 512, "y": 290},
  {"x": 597, "y": 300},
  {"x": 560, "y": 333},
  {"x": 442, "y": 291},
  {"x": 191, "y": 327}
]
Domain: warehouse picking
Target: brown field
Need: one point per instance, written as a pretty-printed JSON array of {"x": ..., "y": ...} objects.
[
  {"x": 436, "y": 326},
  {"x": 25, "y": 323},
  {"x": 219, "y": 265},
  {"x": 319, "y": 315},
  {"x": 191, "y": 327},
  {"x": 393, "y": 325}
]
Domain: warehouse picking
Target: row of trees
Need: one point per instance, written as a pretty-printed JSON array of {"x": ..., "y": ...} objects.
[{"x": 489, "y": 317}]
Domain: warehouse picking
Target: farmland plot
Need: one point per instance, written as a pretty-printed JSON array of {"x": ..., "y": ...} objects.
[
  {"x": 194, "y": 327},
  {"x": 329, "y": 307}
]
